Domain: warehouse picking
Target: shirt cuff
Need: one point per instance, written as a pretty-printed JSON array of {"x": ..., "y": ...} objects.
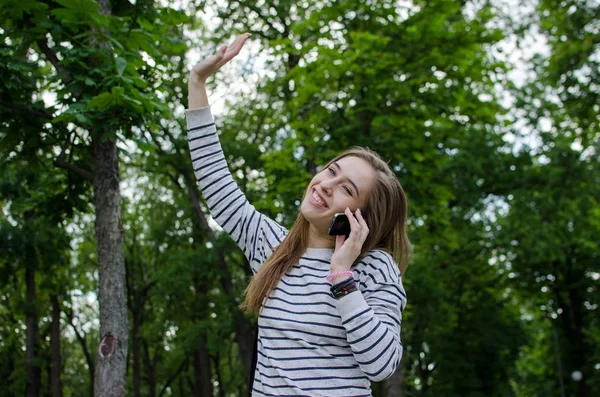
[
  {"x": 197, "y": 117},
  {"x": 351, "y": 304}
]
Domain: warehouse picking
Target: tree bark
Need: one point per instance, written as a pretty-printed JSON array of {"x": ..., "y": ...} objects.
[
  {"x": 114, "y": 338},
  {"x": 150, "y": 366},
  {"x": 56, "y": 369},
  {"x": 576, "y": 303},
  {"x": 202, "y": 378},
  {"x": 136, "y": 350},
  {"x": 202, "y": 373},
  {"x": 111, "y": 361},
  {"x": 33, "y": 371}
]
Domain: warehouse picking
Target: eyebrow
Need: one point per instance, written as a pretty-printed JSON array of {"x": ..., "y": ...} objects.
[{"x": 349, "y": 180}]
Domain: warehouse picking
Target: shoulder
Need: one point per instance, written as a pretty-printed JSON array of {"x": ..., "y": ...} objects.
[{"x": 379, "y": 265}]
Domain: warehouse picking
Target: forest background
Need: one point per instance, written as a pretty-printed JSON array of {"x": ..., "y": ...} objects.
[{"x": 113, "y": 278}]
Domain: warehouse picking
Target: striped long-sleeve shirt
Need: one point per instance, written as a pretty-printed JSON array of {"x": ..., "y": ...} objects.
[{"x": 309, "y": 344}]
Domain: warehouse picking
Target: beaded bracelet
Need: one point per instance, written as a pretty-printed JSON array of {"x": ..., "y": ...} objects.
[{"x": 333, "y": 275}]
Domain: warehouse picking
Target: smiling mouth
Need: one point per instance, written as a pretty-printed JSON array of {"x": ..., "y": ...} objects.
[{"x": 317, "y": 199}]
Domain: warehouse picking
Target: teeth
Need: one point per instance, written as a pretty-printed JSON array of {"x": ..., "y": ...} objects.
[{"x": 317, "y": 198}]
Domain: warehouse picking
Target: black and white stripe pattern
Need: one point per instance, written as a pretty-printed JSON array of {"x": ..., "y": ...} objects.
[
  {"x": 310, "y": 344},
  {"x": 251, "y": 230}
]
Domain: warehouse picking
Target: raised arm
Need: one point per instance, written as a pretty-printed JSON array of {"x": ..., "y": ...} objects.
[
  {"x": 251, "y": 230},
  {"x": 197, "y": 97}
]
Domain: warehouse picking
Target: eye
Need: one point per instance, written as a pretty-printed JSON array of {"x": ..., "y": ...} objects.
[
  {"x": 347, "y": 189},
  {"x": 331, "y": 171}
]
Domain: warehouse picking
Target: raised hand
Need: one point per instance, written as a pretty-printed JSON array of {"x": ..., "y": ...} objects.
[
  {"x": 208, "y": 66},
  {"x": 200, "y": 73}
]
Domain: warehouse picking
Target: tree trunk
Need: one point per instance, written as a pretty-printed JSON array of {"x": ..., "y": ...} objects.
[
  {"x": 580, "y": 357},
  {"x": 136, "y": 350},
  {"x": 394, "y": 383},
  {"x": 112, "y": 351},
  {"x": 33, "y": 371},
  {"x": 202, "y": 379},
  {"x": 202, "y": 375},
  {"x": 149, "y": 366},
  {"x": 218, "y": 376},
  {"x": 245, "y": 336},
  {"x": 244, "y": 332},
  {"x": 56, "y": 383},
  {"x": 136, "y": 304}
]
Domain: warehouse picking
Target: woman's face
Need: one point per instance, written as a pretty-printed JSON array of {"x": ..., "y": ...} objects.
[{"x": 345, "y": 183}]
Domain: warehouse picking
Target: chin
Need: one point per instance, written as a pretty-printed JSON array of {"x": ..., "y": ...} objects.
[
  {"x": 306, "y": 211},
  {"x": 318, "y": 219}
]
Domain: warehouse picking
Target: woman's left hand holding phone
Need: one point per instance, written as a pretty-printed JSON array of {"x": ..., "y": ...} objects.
[
  {"x": 348, "y": 249},
  {"x": 197, "y": 97}
]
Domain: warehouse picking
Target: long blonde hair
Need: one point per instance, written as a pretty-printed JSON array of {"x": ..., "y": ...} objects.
[{"x": 385, "y": 214}]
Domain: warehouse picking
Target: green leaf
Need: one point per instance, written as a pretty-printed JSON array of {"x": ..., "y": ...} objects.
[
  {"x": 80, "y": 12},
  {"x": 80, "y": 5},
  {"x": 117, "y": 92},
  {"x": 82, "y": 119},
  {"x": 103, "y": 100},
  {"x": 120, "y": 64}
]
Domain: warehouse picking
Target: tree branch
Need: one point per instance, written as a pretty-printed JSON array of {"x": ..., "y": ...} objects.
[
  {"x": 145, "y": 290},
  {"x": 26, "y": 109},
  {"x": 173, "y": 377},
  {"x": 82, "y": 342},
  {"x": 53, "y": 59},
  {"x": 74, "y": 169}
]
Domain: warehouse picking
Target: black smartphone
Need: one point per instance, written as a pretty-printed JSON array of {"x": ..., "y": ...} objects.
[{"x": 340, "y": 225}]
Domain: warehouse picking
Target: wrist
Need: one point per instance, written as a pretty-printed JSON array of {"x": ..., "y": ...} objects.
[
  {"x": 197, "y": 96},
  {"x": 197, "y": 81},
  {"x": 343, "y": 288},
  {"x": 334, "y": 267},
  {"x": 339, "y": 279},
  {"x": 338, "y": 269},
  {"x": 338, "y": 276}
]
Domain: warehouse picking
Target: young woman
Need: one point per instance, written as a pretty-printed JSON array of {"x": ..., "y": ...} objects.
[{"x": 329, "y": 309}]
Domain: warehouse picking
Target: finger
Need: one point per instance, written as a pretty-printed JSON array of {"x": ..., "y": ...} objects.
[
  {"x": 240, "y": 41},
  {"x": 223, "y": 55},
  {"x": 363, "y": 223},
  {"x": 360, "y": 219},
  {"x": 354, "y": 225},
  {"x": 211, "y": 62},
  {"x": 236, "y": 47},
  {"x": 352, "y": 218},
  {"x": 339, "y": 241},
  {"x": 217, "y": 59}
]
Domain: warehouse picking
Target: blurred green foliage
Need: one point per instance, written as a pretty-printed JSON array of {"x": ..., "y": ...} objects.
[{"x": 504, "y": 210}]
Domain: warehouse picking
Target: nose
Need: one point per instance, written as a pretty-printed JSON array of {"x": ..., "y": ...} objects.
[{"x": 327, "y": 187}]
